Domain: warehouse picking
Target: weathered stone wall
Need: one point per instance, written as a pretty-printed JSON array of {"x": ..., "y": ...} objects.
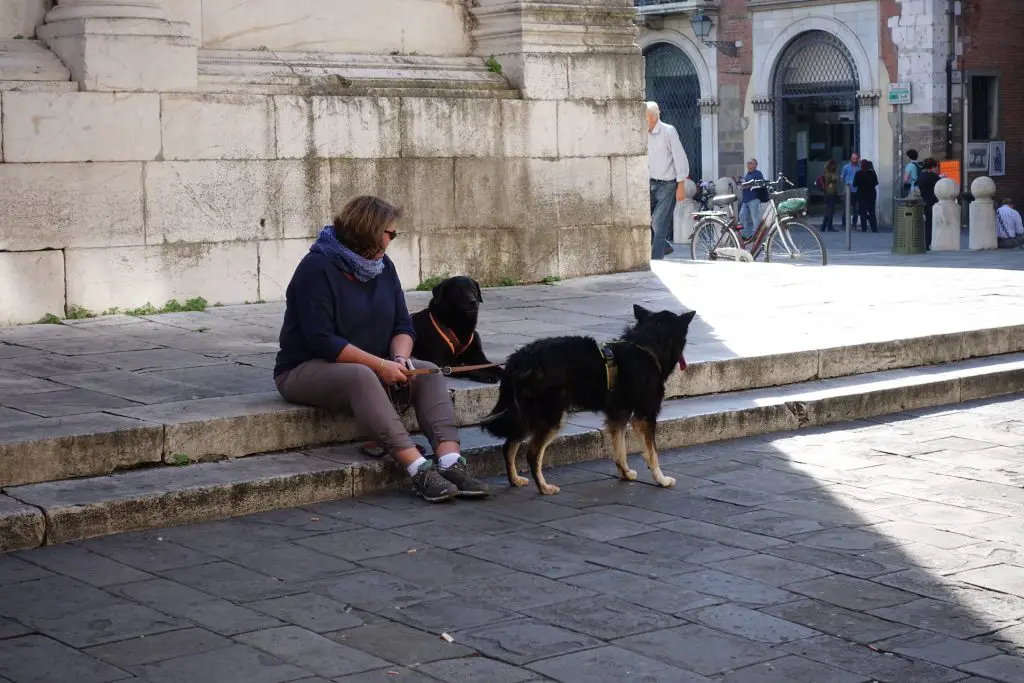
[
  {"x": 116, "y": 199},
  {"x": 20, "y": 17}
]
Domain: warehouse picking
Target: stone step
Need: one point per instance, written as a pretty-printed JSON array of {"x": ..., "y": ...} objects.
[
  {"x": 315, "y": 73},
  {"x": 61, "y": 511},
  {"x": 40, "y": 450},
  {"x": 30, "y": 65}
]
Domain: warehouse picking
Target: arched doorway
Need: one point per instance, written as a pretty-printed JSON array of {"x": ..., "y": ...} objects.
[
  {"x": 673, "y": 83},
  {"x": 815, "y": 87}
]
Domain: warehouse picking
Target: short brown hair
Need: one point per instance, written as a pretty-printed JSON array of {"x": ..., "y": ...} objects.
[{"x": 361, "y": 224}]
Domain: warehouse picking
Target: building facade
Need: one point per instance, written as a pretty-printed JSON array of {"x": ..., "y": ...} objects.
[
  {"x": 170, "y": 149},
  {"x": 795, "y": 83}
]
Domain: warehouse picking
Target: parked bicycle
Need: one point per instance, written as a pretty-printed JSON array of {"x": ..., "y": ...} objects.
[{"x": 717, "y": 236}]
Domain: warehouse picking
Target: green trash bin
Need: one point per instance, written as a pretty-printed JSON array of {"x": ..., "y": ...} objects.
[{"x": 908, "y": 227}]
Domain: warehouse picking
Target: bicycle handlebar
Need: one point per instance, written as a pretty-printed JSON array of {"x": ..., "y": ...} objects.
[{"x": 781, "y": 181}]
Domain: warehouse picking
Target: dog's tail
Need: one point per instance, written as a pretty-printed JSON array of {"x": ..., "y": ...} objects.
[{"x": 505, "y": 420}]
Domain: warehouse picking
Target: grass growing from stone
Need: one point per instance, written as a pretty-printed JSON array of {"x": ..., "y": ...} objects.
[
  {"x": 493, "y": 65},
  {"x": 429, "y": 284},
  {"x": 195, "y": 305}
]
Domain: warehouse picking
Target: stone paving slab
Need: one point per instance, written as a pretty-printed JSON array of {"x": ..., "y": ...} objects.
[
  {"x": 563, "y": 588},
  {"x": 75, "y": 509}
]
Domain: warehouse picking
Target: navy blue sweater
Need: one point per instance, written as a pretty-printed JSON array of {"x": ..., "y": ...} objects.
[{"x": 326, "y": 311}]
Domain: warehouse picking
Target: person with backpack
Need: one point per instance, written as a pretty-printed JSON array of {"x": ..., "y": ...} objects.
[
  {"x": 911, "y": 173},
  {"x": 828, "y": 183}
]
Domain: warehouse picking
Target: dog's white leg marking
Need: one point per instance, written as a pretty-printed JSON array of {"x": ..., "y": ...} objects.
[
  {"x": 618, "y": 436},
  {"x": 650, "y": 454},
  {"x": 538, "y": 445},
  {"x": 511, "y": 450}
]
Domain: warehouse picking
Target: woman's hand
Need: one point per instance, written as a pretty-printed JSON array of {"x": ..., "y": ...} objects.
[{"x": 391, "y": 372}]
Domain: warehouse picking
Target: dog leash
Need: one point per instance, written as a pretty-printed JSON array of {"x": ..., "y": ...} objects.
[{"x": 447, "y": 370}]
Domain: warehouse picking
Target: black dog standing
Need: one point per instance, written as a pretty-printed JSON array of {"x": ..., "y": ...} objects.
[{"x": 446, "y": 329}]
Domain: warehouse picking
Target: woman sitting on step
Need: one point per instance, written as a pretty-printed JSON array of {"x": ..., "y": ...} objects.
[{"x": 347, "y": 335}]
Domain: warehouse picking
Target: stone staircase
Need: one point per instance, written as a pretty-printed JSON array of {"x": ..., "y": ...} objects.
[{"x": 124, "y": 472}]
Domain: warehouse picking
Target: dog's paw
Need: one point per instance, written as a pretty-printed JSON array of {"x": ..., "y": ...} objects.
[
  {"x": 628, "y": 475},
  {"x": 519, "y": 482},
  {"x": 549, "y": 489},
  {"x": 667, "y": 482}
]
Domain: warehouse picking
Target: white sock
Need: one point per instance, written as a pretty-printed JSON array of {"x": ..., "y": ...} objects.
[
  {"x": 449, "y": 460},
  {"x": 415, "y": 467}
]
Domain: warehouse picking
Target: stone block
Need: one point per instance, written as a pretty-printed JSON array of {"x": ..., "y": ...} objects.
[
  {"x": 597, "y": 249},
  {"x": 241, "y": 425},
  {"x": 221, "y": 201},
  {"x": 128, "y": 277},
  {"x": 988, "y": 385},
  {"x": 451, "y": 127},
  {"x": 993, "y": 341},
  {"x": 20, "y": 18},
  {"x": 852, "y": 360},
  {"x": 78, "y": 446},
  {"x": 738, "y": 374},
  {"x": 338, "y": 127},
  {"x": 71, "y": 205},
  {"x": 606, "y": 77},
  {"x": 491, "y": 256},
  {"x": 31, "y": 285},
  {"x": 886, "y": 398},
  {"x": 198, "y": 127},
  {"x": 380, "y": 27},
  {"x": 21, "y": 526},
  {"x": 76, "y": 126},
  {"x": 425, "y": 188},
  {"x": 631, "y": 196},
  {"x": 170, "y": 496},
  {"x": 537, "y": 76},
  {"x": 529, "y": 128},
  {"x": 595, "y": 128}
]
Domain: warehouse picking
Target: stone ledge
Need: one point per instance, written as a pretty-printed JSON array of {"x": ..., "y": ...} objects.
[
  {"x": 331, "y": 74},
  {"x": 250, "y": 424},
  {"x": 31, "y": 61},
  {"x": 21, "y": 526},
  {"x": 162, "y": 497}
]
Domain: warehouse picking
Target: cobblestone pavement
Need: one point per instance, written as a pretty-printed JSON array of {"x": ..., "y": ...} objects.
[
  {"x": 870, "y": 551},
  {"x": 116, "y": 364}
]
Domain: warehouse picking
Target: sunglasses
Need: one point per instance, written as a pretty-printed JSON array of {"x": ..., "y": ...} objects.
[{"x": 393, "y": 234}]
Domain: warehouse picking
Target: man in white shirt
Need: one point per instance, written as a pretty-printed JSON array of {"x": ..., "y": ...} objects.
[
  {"x": 1009, "y": 227},
  {"x": 668, "y": 169}
]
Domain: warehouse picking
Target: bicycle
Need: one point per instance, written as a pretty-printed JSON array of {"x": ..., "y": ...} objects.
[{"x": 782, "y": 238}]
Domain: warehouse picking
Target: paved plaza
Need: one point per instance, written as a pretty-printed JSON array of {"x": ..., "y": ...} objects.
[{"x": 872, "y": 551}]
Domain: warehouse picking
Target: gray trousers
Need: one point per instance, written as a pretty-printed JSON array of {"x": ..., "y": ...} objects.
[
  {"x": 663, "y": 204},
  {"x": 350, "y": 386},
  {"x": 1010, "y": 242}
]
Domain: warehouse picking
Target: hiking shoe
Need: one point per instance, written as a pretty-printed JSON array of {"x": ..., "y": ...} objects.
[
  {"x": 432, "y": 486},
  {"x": 468, "y": 487}
]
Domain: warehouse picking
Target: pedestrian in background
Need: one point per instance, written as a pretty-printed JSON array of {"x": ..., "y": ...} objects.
[
  {"x": 850, "y": 169},
  {"x": 926, "y": 182},
  {"x": 668, "y": 168},
  {"x": 830, "y": 186},
  {"x": 865, "y": 183},
  {"x": 750, "y": 203}
]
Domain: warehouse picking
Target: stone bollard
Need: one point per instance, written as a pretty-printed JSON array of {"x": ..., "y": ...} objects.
[
  {"x": 982, "y": 223},
  {"x": 946, "y": 217},
  {"x": 683, "y": 220}
]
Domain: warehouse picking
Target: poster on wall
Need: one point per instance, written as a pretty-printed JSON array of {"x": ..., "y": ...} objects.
[
  {"x": 997, "y": 158},
  {"x": 977, "y": 157}
]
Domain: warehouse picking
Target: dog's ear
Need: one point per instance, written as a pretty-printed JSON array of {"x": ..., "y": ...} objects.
[
  {"x": 640, "y": 313},
  {"x": 687, "y": 318},
  {"x": 479, "y": 294},
  {"x": 438, "y": 291}
]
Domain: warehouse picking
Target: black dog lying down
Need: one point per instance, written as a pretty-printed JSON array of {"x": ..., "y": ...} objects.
[
  {"x": 446, "y": 329},
  {"x": 623, "y": 379}
]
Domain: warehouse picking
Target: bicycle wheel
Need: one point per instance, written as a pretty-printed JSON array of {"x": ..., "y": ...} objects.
[
  {"x": 796, "y": 243},
  {"x": 711, "y": 234}
]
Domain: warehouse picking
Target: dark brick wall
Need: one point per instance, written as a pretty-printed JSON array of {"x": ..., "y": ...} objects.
[
  {"x": 992, "y": 45},
  {"x": 734, "y": 23}
]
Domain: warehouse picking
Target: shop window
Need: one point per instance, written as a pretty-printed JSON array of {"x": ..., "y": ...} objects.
[{"x": 984, "y": 113}]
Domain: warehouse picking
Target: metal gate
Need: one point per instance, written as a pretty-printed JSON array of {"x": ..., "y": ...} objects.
[
  {"x": 672, "y": 82},
  {"x": 815, "y": 68}
]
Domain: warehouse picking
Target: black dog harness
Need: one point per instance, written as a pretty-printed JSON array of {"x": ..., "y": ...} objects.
[{"x": 611, "y": 366}]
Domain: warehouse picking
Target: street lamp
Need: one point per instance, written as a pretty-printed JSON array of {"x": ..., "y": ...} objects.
[{"x": 702, "y": 25}]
